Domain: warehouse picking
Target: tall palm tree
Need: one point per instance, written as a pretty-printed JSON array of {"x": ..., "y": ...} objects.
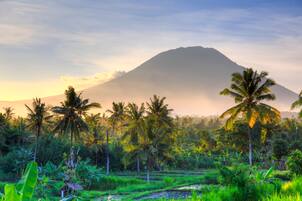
[
  {"x": 249, "y": 89},
  {"x": 134, "y": 116},
  {"x": 95, "y": 127},
  {"x": 154, "y": 143},
  {"x": 36, "y": 117},
  {"x": 117, "y": 114},
  {"x": 297, "y": 104},
  {"x": 8, "y": 113},
  {"x": 158, "y": 109},
  {"x": 71, "y": 114}
]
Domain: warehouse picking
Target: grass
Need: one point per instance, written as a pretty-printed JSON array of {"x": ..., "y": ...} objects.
[{"x": 133, "y": 190}]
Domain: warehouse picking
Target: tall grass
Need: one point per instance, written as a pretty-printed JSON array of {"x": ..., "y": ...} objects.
[{"x": 280, "y": 197}]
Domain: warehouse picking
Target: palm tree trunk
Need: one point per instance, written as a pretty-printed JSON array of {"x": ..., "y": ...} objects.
[
  {"x": 250, "y": 146},
  {"x": 96, "y": 158},
  {"x": 137, "y": 165},
  {"x": 148, "y": 170},
  {"x": 107, "y": 153},
  {"x": 72, "y": 153},
  {"x": 148, "y": 174},
  {"x": 36, "y": 145}
]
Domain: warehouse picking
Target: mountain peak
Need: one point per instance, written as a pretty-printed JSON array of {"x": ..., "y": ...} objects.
[{"x": 190, "y": 77}]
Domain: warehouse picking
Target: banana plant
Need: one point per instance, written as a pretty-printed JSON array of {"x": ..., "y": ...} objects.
[
  {"x": 24, "y": 189},
  {"x": 264, "y": 176}
]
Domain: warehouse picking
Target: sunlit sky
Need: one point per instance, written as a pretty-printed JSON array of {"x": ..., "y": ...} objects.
[{"x": 47, "y": 45}]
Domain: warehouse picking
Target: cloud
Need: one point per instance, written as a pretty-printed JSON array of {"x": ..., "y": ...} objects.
[
  {"x": 14, "y": 34},
  {"x": 84, "y": 82},
  {"x": 77, "y": 39},
  {"x": 21, "y": 90}
]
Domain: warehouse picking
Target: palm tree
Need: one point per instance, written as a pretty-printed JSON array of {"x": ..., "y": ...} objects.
[
  {"x": 8, "y": 113},
  {"x": 154, "y": 143},
  {"x": 134, "y": 116},
  {"x": 249, "y": 89},
  {"x": 95, "y": 127},
  {"x": 71, "y": 114},
  {"x": 297, "y": 104},
  {"x": 36, "y": 117},
  {"x": 116, "y": 116},
  {"x": 159, "y": 110}
]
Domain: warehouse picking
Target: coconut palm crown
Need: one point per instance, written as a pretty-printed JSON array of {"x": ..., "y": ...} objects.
[
  {"x": 249, "y": 89},
  {"x": 297, "y": 104}
]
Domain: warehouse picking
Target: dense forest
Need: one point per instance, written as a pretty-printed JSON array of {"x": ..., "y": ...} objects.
[{"x": 133, "y": 150}]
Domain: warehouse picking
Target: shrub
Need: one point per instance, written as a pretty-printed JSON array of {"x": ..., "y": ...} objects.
[
  {"x": 237, "y": 176},
  {"x": 280, "y": 148},
  {"x": 15, "y": 162},
  {"x": 88, "y": 175},
  {"x": 294, "y": 162},
  {"x": 251, "y": 185},
  {"x": 168, "y": 181}
]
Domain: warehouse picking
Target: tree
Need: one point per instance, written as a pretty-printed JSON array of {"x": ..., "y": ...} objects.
[
  {"x": 154, "y": 142},
  {"x": 134, "y": 116},
  {"x": 36, "y": 117},
  {"x": 8, "y": 113},
  {"x": 95, "y": 129},
  {"x": 159, "y": 110},
  {"x": 297, "y": 104},
  {"x": 249, "y": 89},
  {"x": 116, "y": 116},
  {"x": 71, "y": 119}
]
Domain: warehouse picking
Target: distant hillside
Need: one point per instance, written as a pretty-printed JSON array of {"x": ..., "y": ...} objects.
[{"x": 191, "y": 79}]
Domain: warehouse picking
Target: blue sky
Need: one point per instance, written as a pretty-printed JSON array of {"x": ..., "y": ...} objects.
[{"x": 51, "y": 44}]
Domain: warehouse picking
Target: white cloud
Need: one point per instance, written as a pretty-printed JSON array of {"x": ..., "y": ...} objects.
[{"x": 84, "y": 82}]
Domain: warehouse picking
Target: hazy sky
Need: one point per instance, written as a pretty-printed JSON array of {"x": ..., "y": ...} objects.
[{"x": 47, "y": 45}]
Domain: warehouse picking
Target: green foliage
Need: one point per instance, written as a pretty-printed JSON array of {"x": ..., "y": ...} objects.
[
  {"x": 222, "y": 194},
  {"x": 280, "y": 148},
  {"x": 168, "y": 181},
  {"x": 280, "y": 197},
  {"x": 112, "y": 182},
  {"x": 251, "y": 185},
  {"x": 88, "y": 175},
  {"x": 283, "y": 175},
  {"x": 14, "y": 162},
  {"x": 293, "y": 187},
  {"x": 24, "y": 189},
  {"x": 237, "y": 176},
  {"x": 294, "y": 162}
]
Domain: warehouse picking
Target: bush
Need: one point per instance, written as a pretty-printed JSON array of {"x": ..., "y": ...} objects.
[
  {"x": 280, "y": 148},
  {"x": 294, "y": 162},
  {"x": 13, "y": 163},
  {"x": 88, "y": 175},
  {"x": 237, "y": 176},
  {"x": 251, "y": 185},
  {"x": 168, "y": 181}
]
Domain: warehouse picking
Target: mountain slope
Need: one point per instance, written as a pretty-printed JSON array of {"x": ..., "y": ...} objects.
[{"x": 191, "y": 79}]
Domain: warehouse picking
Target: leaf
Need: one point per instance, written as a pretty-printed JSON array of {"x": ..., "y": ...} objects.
[
  {"x": 11, "y": 193},
  {"x": 268, "y": 172},
  {"x": 27, "y": 184},
  {"x": 253, "y": 118}
]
